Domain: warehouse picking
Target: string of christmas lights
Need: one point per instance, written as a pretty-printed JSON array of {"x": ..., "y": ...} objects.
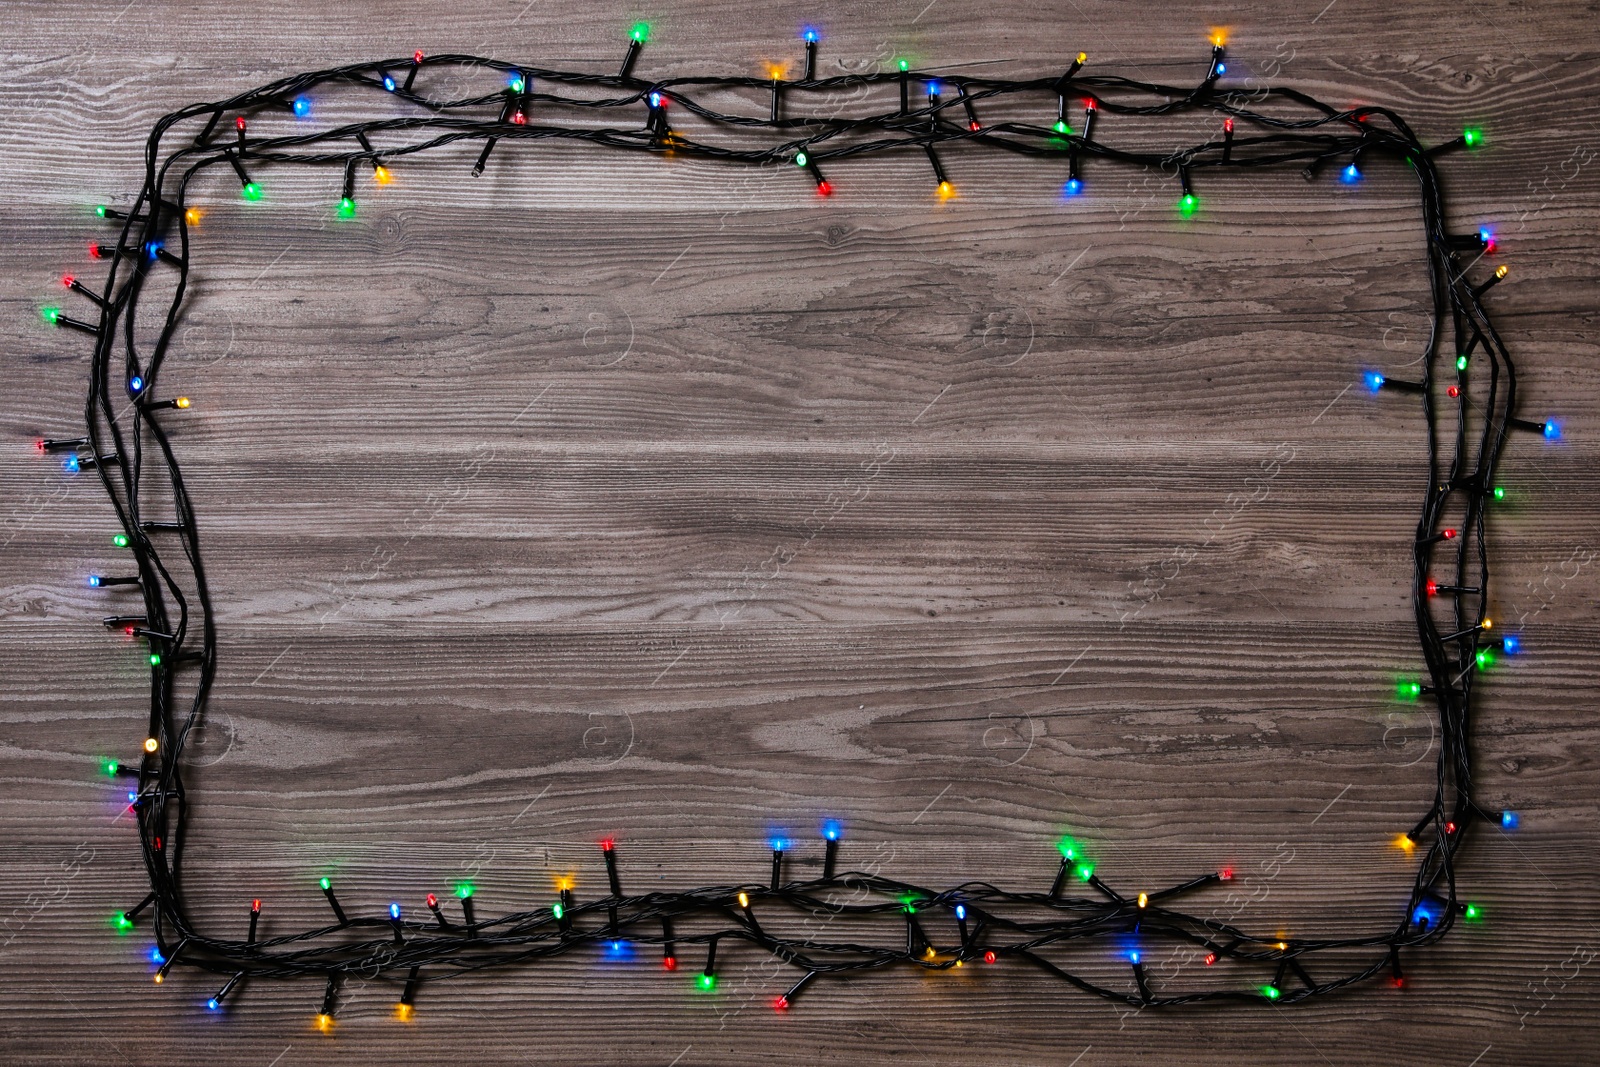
[{"x": 899, "y": 924}]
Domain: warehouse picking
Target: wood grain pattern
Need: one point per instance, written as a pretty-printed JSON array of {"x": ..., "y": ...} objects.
[{"x": 647, "y": 497}]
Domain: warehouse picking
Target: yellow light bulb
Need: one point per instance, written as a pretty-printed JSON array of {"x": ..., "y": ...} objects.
[
  {"x": 1501, "y": 271},
  {"x": 744, "y": 900},
  {"x": 151, "y": 744},
  {"x": 1083, "y": 57},
  {"x": 1219, "y": 35},
  {"x": 1144, "y": 900},
  {"x": 1488, "y": 624},
  {"x": 160, "y": 977},
  {"x": 402, "y": 1012},
  {"x": 930, "y": 952},
  {"x": 182, "y": 401},
  {"x": 946, "y": 190},
  {"x": 324, "y": 1023},
  {"x": 1404, "y": 842},
  {"x": 1283, "y": 946},
  {"x": 193, "y": 216},
  {"x": 381, "y": 175}
]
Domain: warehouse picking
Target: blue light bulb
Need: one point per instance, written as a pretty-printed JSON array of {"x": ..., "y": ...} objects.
[
  {"x": 779, "y": 844},
  {"x": 830, "y": 830},
  {"x": 388, "y": 83},
  {"x": 655, "y": 99},
  {"x": 212, "y": 1004},
  {"x": 94, "y": 581},
  {"x": 1352, "y": 173},
  {"x": 1072, "y": 188},
  {"x": 302, "y": 106},
  {"x": 132, "y": 796},
  {"x": 1552, "y": 431},
  {"x": 394, "y": 911},
  {"x": 1222, "y": 68},
  {"x": 1508, "y": 819},
  {"x": 1374, "y": 380},
  {"x": 810, "y": 33},
  {"x": 156, "y": 956},
  {"x": 933, "y": 88},
  {"x": 1510, "y": 644},
  {"x": 1422, "y": 915},
  {"x": 1484, "y": 235},
  {"x": 961, "y": 911},
  {"x": 1133, "y": 957},
  {"x": 70, "y": 464},
  {"x": 135, "y": 384}
]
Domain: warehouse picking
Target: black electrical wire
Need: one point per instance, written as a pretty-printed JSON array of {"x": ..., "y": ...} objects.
[{"x": 905, "y": 920}]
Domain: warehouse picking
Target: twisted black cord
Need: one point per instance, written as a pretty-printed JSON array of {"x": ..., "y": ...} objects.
[{"x": 990, "y": 924}]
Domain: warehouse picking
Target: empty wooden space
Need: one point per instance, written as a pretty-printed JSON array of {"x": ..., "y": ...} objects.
[{"x": 653, "y": 498}]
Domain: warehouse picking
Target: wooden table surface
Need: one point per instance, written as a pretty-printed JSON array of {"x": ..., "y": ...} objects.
[{"x": 657, "y": 499}]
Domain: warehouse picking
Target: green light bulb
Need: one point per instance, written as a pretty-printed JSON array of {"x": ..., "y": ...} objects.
[
  {"x": 122, "y": 923},
  {"x": 516, "y": 86},
  {"x": 1472, "y": 136},
  {"x": 1472, "y": 912},
  {"x": 464, "y": 890},
  {"x": 557, "y": 910},
  {"x": 1187, "y": 206},
  {"x": 251, "y": 191},
  {"x": 100, "y": 209},
  {"x": 347, "y": 208},
  {"x": 1499, "y": 492},
  {"x": 120, "y": 540},
  {"x": 1461, "y": 363},
  {"x": 1485, "y": 659},
  {"x": 1407, "y": 690},
  {"x": 706, "y": 981},
  {"x": 50, "y": 314},
  {"x": 640, "y": 32},
  {"x": 326, "y": 884},
  {"x": 1062, "y": 128},
  {"x": 801, "y": 159},
  {"x": 1068, "y": 847},
  {"x": 110, "y": 766},
  {"x": 1084, "y": 871},
  {"x": 155, "y": 659},
  {"x": 1271, "y": 992},
  {"x": 905, "y": 65}
]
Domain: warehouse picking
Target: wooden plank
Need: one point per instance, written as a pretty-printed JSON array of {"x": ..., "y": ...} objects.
[{"x": 652, "y": 498}]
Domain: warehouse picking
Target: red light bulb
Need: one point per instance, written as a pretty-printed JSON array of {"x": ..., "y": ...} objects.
[
  {"x": 1227, "y": 124},
  {"x": 1433, "y": 587},
  {"x": 433, "y": 901},
  {"x": 1449, "y": 827},
  {"x": 1211, "y": 957},
  {"x": 780, "y": 1003},
  {"x": 608, "y": 843},
  {"x": 67, "y": 280},
  {"x": 824, "y": 188},
  {"x": 416, "y": 57},
  {"x": 1226, "y": 874},
  {"x": 38, "y": 445},
  {"x": 94, "y": 251},
  {"x": 1454, "y": 391},
  {"x": 1089, "y": 104},
  {"x": 973, "y": 126},
  {"x": 238, "y": 123},
  {"x": 988, "y": 957},
  {"x": 670, "y": 963},
  {"x": 520, "y": 119},
  {"x": 1449, "y": 535}
]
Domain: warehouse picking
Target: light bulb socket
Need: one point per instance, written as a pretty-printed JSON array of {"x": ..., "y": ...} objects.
[{"x": 634, "y": 47}]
